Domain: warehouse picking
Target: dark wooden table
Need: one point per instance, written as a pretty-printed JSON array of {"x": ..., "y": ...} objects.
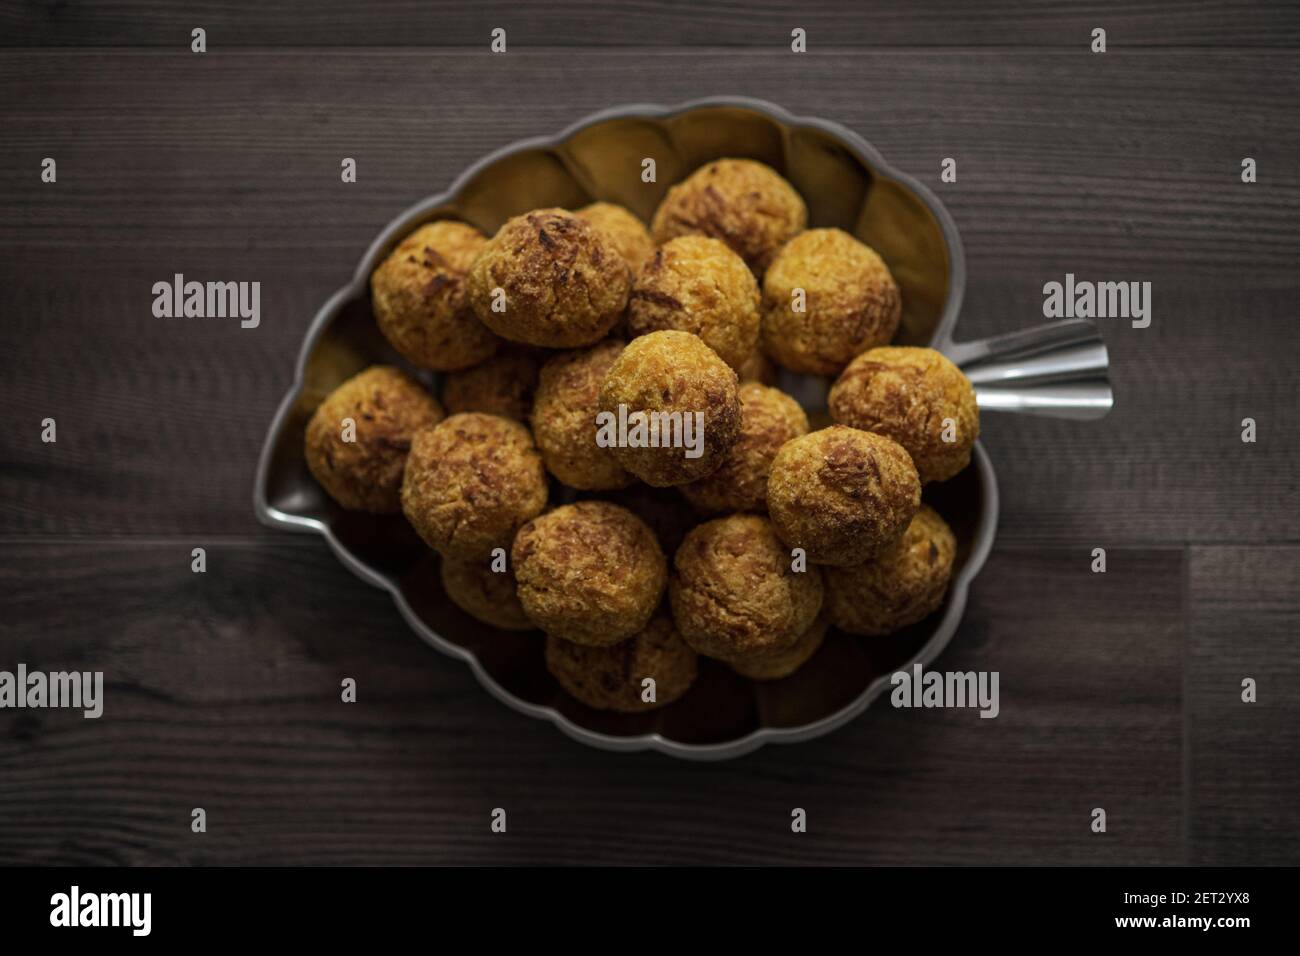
[{"x": 1119, "y": 690}]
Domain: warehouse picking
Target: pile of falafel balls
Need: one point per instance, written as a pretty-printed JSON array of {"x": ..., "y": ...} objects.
[{"x": 775, "y": 531}]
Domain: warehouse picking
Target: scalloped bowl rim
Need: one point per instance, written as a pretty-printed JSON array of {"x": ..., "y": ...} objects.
[{"x": 984, "y": 532}]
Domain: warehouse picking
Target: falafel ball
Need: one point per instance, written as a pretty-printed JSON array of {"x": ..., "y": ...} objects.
[
  {"x": 484, "y": 594},
  {"x": 386, "y": 407},
  {"x": 503, "y": 385},
  {"x": 768, "y": 419},
  {"x": 841, "y": 494},
  {"x": 661, "y": 381},
  {"x": 783, "y": 663},
  {"x": 915, "y": 396},
  {"x": 471, "y": 482},
  {"x": 734, "y": 593},
  {"x": 627, "y": 232},
  {"x": 564, "y": 418},
  {"x": 745, "y": 203},
  {"x": 850, "y": 302},
  {"x": 564, "y": 282},
  {"x": 903, "y": 585},
  {"x": 419, "y": 296},
  {"x": 590, "y": 572},
  {"x": 697, "y": 284},
  {"x": 609, "y": 678}
]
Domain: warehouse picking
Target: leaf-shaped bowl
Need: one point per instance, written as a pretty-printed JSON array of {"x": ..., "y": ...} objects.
[{"x": 847, "y": 184}]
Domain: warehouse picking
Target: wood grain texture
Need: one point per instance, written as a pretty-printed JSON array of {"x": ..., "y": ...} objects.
[
  {"x": 648, "y": 22},
  {"x": 1244, "y": 618},
  {"x": 1122, "y": 167},
  {"x": 222, "y": 691},
  {"x": 1064, "y": 159},
  {"x": 1118, "y": 690}
]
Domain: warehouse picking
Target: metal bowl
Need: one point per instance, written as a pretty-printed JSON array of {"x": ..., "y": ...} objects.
[{"x": 847, "y": 184}]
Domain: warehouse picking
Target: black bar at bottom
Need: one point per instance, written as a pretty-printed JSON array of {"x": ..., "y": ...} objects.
[{"x": 333, "y": 906}]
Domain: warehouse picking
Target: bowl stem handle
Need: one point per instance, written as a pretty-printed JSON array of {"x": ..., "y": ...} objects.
[{"x": 1060, "y": 369}]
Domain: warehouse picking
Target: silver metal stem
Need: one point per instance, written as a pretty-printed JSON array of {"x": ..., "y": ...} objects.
[{"x": 1061, "y": 370}]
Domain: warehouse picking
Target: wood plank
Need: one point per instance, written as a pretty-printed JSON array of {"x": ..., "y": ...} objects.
[
  {"x": 227, "y": 168},
  {"x": 222, "y": 692},
  {"x": 647, "y": 22},
  {"x": 1168, "y": 463},
  {"x": 1052, "y": 176},
  {"x": 159, "y": 423},
  {"x": 1243, "y": 619}
]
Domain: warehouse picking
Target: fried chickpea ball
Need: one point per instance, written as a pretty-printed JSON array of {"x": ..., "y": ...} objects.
[
  {"x": 471, "y": 482},
  {"x": 628, "y": 233},
  {"x": 768, "y": 419},
  {"x": 746, "y": 204},
  {"x": 419, "y": 296},
  {"x": 503, "y": 385},
  {"x": 841, "y": 494},
  {"x": 697, "y": 284},
  {"x": 386, "y": 407},
  {"x": 672, "y": 374},
  {"x": 783, "y": 663},
  {"x": 609, "y": 678},
  {"x": 590, "y": 572},
  {"x": 564, "y": 419},
  {"x": 851, "y": 302},
  {"x": 565, "y": 284},
  {"x": 907, "y": 394},
  {"x": 484, "y": 594},
  {"x": 758, "y": 368},
  {"x": 733, "y": 591},
  {"x": 903, "y": 585}
]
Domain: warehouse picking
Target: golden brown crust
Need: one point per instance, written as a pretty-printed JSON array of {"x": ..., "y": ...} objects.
[
  {"x": 503, "y": 385},
  {"x": 419, "y": 297},
  {"x": 589, "y": 572},
  {"x": 387, "y": 408},
  {"x": 564, "y": 418},
  {"x": 746, "y": 204},
  {"x": 768, "y": 419},
  {"x": 628, "y": 233},
  {"x": 782, "y": 663},
  {"x": 902, "y": 586},
  {"x": 484, "y": 594},
  {"x": 733, "y": 591},
  {"x": 471, "y": 482},
  {"x": 609, "y": 678},
  {"x": 697, "y": 284},
  {"x": 841, "y": 494},
  {"x": 565, "y": 283},
  {"x": 906, "y": 394},
  {"x": 673, "y": 372},
  {"x": 851, "y": 302}
]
